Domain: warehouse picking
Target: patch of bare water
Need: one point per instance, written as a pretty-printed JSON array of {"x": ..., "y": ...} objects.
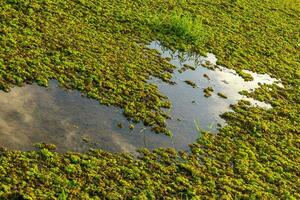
[{"x": 33, "y": 114}]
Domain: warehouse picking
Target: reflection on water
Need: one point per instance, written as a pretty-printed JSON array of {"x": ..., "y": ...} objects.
[
  {"x": 190, "y": 105},
  {"x": 33, "y": 114}
]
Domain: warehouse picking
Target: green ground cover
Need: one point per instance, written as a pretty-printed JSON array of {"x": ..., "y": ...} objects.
[{"x": 98, "y": 47}]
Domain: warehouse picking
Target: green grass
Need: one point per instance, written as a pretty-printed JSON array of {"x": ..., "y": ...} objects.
[{"x": 180, "y": 26}]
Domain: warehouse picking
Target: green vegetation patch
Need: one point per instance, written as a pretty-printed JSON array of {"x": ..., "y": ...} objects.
[
  {"x": 222, "y": 95},
  {"x": 98, "y": 47},
  {"x": 186, "y": 67},
  {"x": 85, "y": 46},
  {"x": 191, "y": 83},
  {"x": 207, "y": 91},
  {"x": 180, "y": 25}
]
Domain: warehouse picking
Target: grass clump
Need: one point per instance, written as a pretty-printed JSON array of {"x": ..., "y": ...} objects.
[
  {"x": 222, "y": 95},
  {"x": 183, "y": 26}
]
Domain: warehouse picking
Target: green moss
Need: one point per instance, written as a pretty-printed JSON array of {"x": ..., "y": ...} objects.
[{"x": 97, "y": 47}]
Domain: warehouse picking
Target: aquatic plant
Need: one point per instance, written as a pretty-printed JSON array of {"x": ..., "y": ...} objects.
[
  {"x": 131, "y": 126},
  {"x": 191, "y": 83},
  {"x": 246, "y": 76},
  {"x": 207, "y": 91},
  {"x": 209, "y": 65},
  {"x": 189, "y": 67},
  {"x": 98, "y": 48},
  {"x": 206, "y": 76},
  {"x": 186, "y": 67},
  {"x": 222, "y": 95},
  {"x": 81, "y": 55}
]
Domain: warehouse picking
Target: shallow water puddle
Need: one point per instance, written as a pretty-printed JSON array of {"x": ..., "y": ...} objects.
[
  {"x": 33, "y": 114},
  {"x": 190, "y": 106}
]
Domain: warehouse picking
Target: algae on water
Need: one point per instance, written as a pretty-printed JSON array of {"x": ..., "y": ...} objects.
[{"x": 98, "y": 48}]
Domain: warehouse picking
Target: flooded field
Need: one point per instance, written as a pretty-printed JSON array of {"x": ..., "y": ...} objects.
[
  {"x": 136, "y": 57},
  {"x": 33, "y": 114}
]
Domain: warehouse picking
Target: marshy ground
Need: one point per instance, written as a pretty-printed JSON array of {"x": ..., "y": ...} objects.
[
  {"x": 32, "y": 114},
  {"x": 108, "y": 51}
]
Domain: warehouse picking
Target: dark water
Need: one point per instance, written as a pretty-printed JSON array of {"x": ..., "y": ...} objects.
[{"x": 33, "y": 114}]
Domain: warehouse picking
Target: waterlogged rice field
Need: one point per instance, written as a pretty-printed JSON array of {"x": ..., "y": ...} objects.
[{"x": 217, "y": 81}]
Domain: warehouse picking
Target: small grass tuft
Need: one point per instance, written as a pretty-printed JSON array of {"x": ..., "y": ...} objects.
[{"x": 185, "y": 27}]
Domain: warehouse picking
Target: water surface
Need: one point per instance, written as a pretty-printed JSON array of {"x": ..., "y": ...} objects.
[
  {"x": 190, "y": 106},
  {"x": 33, "y": 114}
]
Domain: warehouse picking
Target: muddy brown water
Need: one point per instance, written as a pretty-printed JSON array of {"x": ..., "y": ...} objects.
[{"x": 33, "y": 114}]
